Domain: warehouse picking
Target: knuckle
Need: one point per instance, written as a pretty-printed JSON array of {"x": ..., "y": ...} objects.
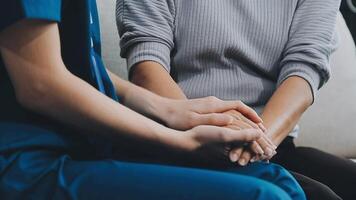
[
  {"x": 240, "y": 103},
  {"x": 191, "y": 119},
  {"x": 213, "y": 118},
  {"x": 212, "y": 100},
  {"x": 254, "y": 145}
]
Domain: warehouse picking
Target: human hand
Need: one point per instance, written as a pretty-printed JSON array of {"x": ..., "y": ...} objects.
[
  {"x": 186, "y": 114},
  {"x": 212, "y": 141},
  {"x": 263, "y": 148}
]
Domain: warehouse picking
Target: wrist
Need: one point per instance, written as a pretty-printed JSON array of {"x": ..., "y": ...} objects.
[
  {"x": 162, "y": 109},
  {"x": 146, "y": 103},
  {"x": 159, "y": 108},
  {"x": 176, "y": 140}
]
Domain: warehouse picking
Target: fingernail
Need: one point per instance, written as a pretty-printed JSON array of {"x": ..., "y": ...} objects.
[
  {"x": 253, "y": 159},
  {"x": 242, "y": 162},
  {"x": 233, "y": 157}
]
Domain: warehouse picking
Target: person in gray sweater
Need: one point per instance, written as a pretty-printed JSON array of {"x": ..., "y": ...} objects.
[{"x": 272, "y": 55}]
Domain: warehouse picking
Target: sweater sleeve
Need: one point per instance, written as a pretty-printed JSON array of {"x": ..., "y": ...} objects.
[
  {"x": 312, "y": 38},
  {"x": 146, "y": 30}
]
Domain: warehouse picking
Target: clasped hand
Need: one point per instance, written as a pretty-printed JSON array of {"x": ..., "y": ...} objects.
[
  {"x": 261, "y": 149},
  {"x": 190, "y": 114}
]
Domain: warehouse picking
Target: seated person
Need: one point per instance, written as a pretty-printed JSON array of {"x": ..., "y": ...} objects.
[
  {"x": 272, "y": 55},
  {"x": 60, "y": 120}
]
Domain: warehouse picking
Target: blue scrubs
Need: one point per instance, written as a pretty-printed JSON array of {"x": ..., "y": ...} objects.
[{"x": 43, "y": 159}]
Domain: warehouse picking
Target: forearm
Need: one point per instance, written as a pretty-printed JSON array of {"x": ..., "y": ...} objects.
[
  {"x": 140, "y": 99},
  {"x": 92, "y": 111},
  {"x": 152, "y": 76},
  {"x": 285, "y": 108}
]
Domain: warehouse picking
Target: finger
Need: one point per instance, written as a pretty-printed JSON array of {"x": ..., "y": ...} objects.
[
  {"x": 256, "y": 148},
  {"x": 214, "y": 119},
  {"x": 269, "y": 141},
  {"x": 240, "y": 124},
  {"x": 239, "y": 118},
  {"x": 262, "y": 127},
  {"x": 266, "y": 147},
  {"x": 234, "y": 127},
  {"x": 210, "y": 104},
  {"x": 245, "y": 158},
  {"x": 254, "y": 158},
  {"x": 251, "y": 123},
  {"x": 264, "y": 130},
  {"x": 257, "y": 158},
  {"x": 215, "y": 105},
  {"x": 264, "y": 158},
  {"x": 245, "y": 135},
  {"x": 223, "y": 135},
  {"x": 235, "y": 154},
  {"x": 248, "y": 112},
  {"x": 271, "y": 156}
]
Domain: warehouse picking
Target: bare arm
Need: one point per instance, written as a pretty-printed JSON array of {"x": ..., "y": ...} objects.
[
  {"x": 152, "y": 76},
  {"x": 31, "y": 52},
  {"x": 47, "y": 87},
  {"x": 285, "y": 107}
]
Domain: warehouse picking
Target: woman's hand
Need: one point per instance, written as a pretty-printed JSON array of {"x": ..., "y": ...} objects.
[
  {"x": 186, "y": 114},
  {"x": 263, "y": 148},
  {"x": 212, "y": 141}
]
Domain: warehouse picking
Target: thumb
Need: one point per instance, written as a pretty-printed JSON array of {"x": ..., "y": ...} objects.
[{"x": 245, "y": 135}]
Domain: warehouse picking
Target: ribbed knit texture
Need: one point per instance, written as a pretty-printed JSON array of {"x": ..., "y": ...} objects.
[{"x": 232, "y": 49}]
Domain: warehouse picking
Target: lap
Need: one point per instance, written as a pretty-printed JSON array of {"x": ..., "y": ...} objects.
[
  {"x": 335, "y": 172},
  {"x": 43, "y": 174},
  {"x": 315, "y": 190}
]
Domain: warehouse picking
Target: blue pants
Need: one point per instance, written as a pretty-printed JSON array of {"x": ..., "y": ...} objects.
[
  {"x": 36, "y": 164},
  {"x": 39, "y": 174}
]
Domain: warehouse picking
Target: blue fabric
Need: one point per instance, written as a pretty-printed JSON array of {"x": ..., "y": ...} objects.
[
  {"x": 15, "y": 10},
  {"x": 81, "y": 51},
  {"x": 38, "y": 174},
  {"x": 42, "y": 159}
]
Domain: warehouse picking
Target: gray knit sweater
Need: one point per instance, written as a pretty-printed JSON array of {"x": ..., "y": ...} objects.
[{"x": 232, "y": 49}]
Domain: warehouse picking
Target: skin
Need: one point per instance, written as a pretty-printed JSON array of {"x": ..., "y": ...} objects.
[
  {"x": 151, "y": 75},
  {"x": 32, "y": 56},
  {"x": 280, "y": 115},
  {"x": 283, "y": 111}
]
